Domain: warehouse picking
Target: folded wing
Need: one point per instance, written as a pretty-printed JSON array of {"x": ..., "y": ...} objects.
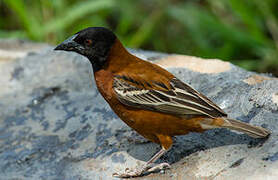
[{"x": 178, "y": 98}]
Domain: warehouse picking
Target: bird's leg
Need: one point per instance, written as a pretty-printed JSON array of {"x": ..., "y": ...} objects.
[
  {"x": 166, "y": 143},
  {"x": 147, "y": 168}
]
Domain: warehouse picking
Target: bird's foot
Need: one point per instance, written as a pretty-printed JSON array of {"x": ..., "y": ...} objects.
[
  {"x": 147, "y": 169},
  {"x": 158, "y": 167}
]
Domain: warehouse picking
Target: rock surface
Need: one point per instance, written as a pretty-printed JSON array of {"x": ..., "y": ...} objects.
[{"x": 55, "y": 125}]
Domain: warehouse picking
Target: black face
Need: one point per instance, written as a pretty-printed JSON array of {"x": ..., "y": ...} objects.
[{"x": 93, "y": 43}]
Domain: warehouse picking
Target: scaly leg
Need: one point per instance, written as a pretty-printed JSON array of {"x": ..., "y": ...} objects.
[
  {"x": 166, "y": 143},
  {"x": 147, "y": 167}
]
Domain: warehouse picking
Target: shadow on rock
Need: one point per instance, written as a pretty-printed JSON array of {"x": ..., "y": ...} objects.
[{"x": 141, "y": 149}]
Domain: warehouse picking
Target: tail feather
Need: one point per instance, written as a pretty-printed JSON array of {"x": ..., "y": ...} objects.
[{"x": 253, "y": 131}]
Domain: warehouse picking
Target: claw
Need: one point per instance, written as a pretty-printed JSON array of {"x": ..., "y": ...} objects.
[
  {"x": 146, "y": 170},
  {"x": 159, "y": 167},
  {"x": 127, "y": 174}
]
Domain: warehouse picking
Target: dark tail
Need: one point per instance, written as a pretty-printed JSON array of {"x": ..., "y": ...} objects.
[{"x": 253, "y": 131}]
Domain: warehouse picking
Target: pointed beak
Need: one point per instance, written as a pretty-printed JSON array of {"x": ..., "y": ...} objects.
[{"x": 69, "y": 45}]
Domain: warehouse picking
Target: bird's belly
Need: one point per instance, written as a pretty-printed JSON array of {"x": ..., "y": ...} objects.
[{"x": 149, "y": 123}]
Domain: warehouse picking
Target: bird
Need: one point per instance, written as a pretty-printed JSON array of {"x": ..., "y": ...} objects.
[{"x": 148, "y": 98}]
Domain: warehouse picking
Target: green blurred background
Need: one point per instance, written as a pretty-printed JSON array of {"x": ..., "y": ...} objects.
[{"x": 244, "y": 32}]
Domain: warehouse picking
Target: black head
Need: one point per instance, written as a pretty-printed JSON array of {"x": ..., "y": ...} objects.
[{"x": 93, "y": 43}]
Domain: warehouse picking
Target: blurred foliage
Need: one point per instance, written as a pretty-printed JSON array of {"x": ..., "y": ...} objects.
[{"x": 243, "y": 32}]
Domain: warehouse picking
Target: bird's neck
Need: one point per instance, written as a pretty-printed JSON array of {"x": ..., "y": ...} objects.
[{"x": 118, "y": 58}]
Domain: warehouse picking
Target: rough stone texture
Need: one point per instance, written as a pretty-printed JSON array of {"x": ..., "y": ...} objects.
[
  {"x": 11, "y": 49},
  {"x": 195, "y": 64},
  {"x": 55, "y": 125}
]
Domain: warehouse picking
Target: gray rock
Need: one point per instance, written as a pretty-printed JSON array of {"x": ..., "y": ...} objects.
[{"x": 54, "y": 124}]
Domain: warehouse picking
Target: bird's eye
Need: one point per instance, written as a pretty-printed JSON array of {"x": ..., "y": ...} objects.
[{"x": 88, "y": 42}]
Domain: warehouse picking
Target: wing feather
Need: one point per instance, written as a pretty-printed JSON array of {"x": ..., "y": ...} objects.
[{"x": 180, "y": 99}]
